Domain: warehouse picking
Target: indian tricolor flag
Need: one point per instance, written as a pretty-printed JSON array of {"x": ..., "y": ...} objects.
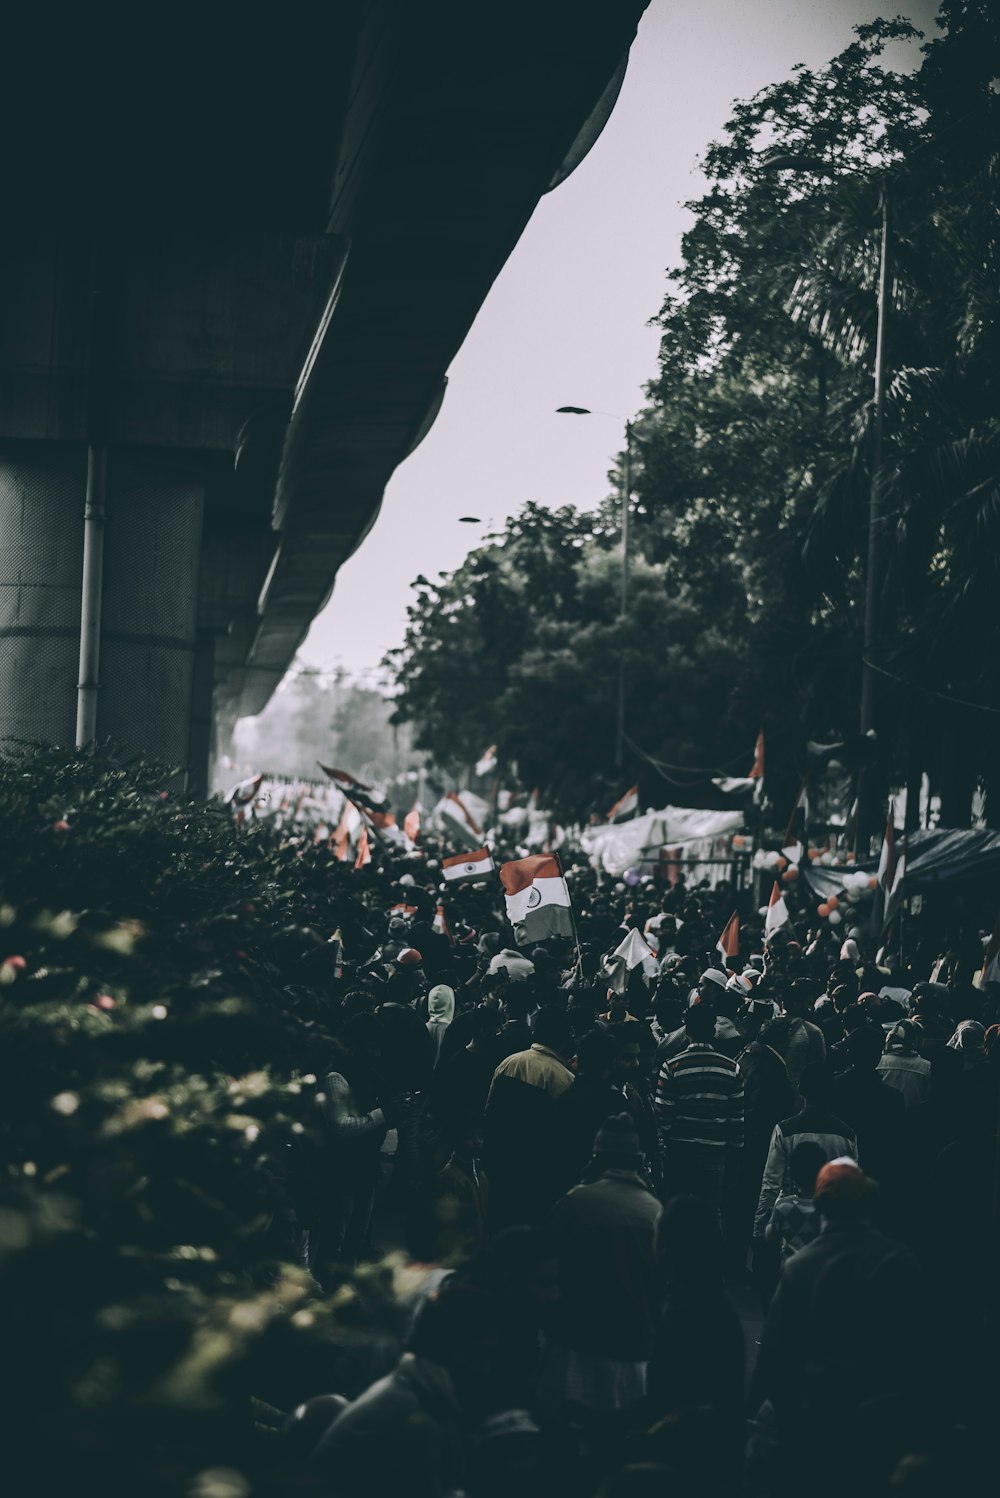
[
  {"x": 728, "y": 945},
  {"x": 538, "y": 904},
  {"x": 468, "y": 866},
  {"x": 777, "y": 912},
  {"x": 346, "y": 781},
  {"x": 625, "y": 806}
]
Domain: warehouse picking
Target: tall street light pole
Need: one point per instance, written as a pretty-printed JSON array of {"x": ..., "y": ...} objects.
[
  {"x": 867, "y": 779},
  {"x": 626, "y": 493}
]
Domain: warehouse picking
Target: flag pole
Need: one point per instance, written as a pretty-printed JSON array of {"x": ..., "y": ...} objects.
[{"x": 572, "y": 916}]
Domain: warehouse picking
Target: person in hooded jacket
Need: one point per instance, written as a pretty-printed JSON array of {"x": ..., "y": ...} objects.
[{"x": 440, "y": 1013}]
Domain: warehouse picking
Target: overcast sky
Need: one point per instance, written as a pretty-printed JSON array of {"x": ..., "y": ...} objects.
[{"x": 566, "y": 322}]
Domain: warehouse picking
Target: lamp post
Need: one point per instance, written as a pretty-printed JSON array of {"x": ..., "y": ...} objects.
[
  {"x": 780, "y": 161},
  {"x": 626, "y": 492}
]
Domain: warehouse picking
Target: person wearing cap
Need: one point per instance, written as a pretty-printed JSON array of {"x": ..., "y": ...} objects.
[
  {"x": 840, "y": 1332},
  {"x": 699, "y": 1108},
  {"x": 902, "y": 1065},
  {"x": 604, "y": 1234},
  {"x": 440, "y": 1013}
]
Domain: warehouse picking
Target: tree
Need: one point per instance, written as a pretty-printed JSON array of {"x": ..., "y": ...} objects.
[{"x": 752, "y": 467}]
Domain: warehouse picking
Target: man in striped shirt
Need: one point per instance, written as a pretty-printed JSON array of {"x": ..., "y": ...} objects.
[{"x": 699, "y": 1108}]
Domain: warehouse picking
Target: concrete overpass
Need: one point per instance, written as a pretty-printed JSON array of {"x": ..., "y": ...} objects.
[{"x": 237, "y": 273}]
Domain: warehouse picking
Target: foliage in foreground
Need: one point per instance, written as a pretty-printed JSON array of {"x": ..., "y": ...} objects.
[{"x": 165, "y": 990}]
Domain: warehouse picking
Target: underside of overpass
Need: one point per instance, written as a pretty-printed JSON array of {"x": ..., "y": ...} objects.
[{"x": 237, "y": 274}]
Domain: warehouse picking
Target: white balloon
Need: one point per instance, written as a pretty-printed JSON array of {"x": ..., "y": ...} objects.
[
  {"x": 835, "y": 917},
  {"x": 853, "y": 895}
]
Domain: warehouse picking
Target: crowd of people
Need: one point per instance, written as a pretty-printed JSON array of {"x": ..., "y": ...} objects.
[{"x": 706, "y": 1227}]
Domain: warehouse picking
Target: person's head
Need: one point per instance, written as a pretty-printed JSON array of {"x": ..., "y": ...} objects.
[
  {"x": 843, "y": 1192},
  {"x": 816, "y": 1084},
  {"x": 903, "y": 1039},
  {"x": 441, "y": 1003},
  {"x": 552, "y": 1029},
  {"x": 668, "y": 1005},
  {"x": 616, "y": 1144},
  {"x": 863, "y": 1045},
  {"x": 807, "y": 1160},
  {"x": 871, "y": 1004},
  {"x": 699, "y": 1022},
  {"x": 482, "y": 1026},
  {"x": 515, "y": 1002},
  {"x": 712, "y": 987},
  {"x": 775, "y": 1033},
  {"x": 968, "y": 1038},
  {"x": 595, "y": 1054},
  {"x": 362, "y": 1035},
  {"x": 796, "y": 1000},
  {"x": 617, "y": 1004},
  {"x": 628, "y": 1056}
]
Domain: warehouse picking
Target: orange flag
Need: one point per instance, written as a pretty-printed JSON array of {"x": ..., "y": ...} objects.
[
  {"x": 757, "y": 768},
  {"x": 728, "y": 945}
]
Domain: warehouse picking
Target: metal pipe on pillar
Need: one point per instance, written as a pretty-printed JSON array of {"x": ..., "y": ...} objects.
[{"x": 88, "y": 683}]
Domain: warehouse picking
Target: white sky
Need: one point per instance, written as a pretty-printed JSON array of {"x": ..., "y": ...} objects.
[{"x": 566, "y": 321}]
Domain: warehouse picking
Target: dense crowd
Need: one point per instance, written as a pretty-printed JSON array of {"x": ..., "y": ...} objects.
[{"x": 607, "y": 1182}]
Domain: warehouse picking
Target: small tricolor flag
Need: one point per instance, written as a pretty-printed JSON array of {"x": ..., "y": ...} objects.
[
  {"x": 462, "y": 811},
  {"x": 537, "y": 898},
  {"x": 728, "y": 945},
  {"x": 891, "y": 872},
  {"x": 344, "y": 780},
  {"x": 795, "y": 832},
  {"x": 245, "y": 792},
  {"x": 488, "y": 763},
  {"x": 626, "y": 806},
  {"x": 777, "y": 912},
  {"x": 633, "y": 952},
  {"x": 468, "y": 866},
  {"x": 441, "y": 925},
  {"x": 756, "y": 771}
]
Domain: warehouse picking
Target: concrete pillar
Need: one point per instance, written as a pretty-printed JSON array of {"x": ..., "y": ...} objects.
[{"x": 148, "y": 626}]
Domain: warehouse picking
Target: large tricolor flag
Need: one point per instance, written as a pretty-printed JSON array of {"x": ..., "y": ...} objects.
[
  {"x": 364, "y": 851},
  {"x": 777, "y": 913},
  {"x": 728, "y": 945},
  {"x": 463, "y": 866},
  {"x": 537, "y": 896},
  {"x": 626, "y": 806}
]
